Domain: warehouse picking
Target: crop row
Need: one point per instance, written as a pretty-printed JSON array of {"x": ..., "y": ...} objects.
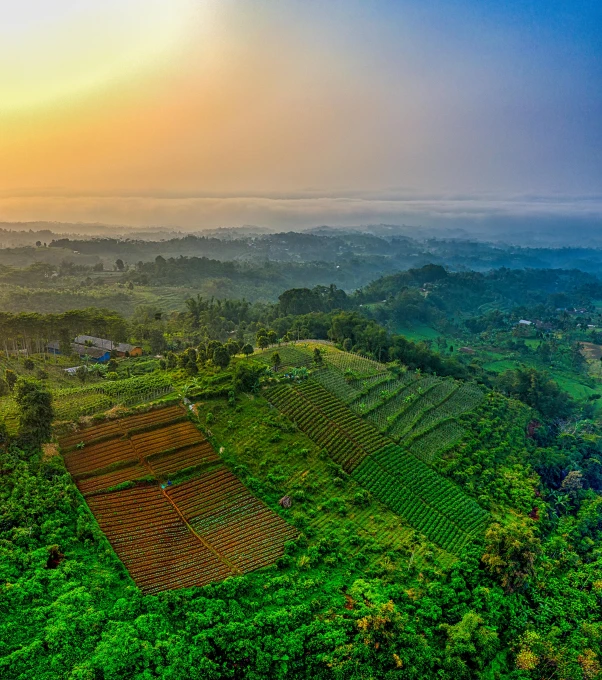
[
  {"x": 417, "y": 409},
  {"x": 73, "y": 402},
  {"x": 428, "y": 502},
  {"x": 109, "y": 479},
  {"x": 89, "y": 434},
  {"x": 336, "y": 383},
  {"x": 154, "y": 417},
  {"x": 320, "y": 429},
  {"x": 181, "y": 434},
  {"x": 462, "y": 400},
  {"x": 358, "y": 365},
  {"x": 423, "y": 517},
  {"x": 99, "y": 456},
  {"x": 236, "y": 523},
  {"x": 331, "y": 434},
  {"x": 385, "y": 415},
  {"x": 289, "y": 356},
  {"x": 383, "y": 402},
  {"x": 170, "y": 462},
  {"x": 153, "y": 543},
  {"x": 357, "y": 429},
  {"x": 432, "y": 443},
  {"x": 114, "y": 428},
  {"x": 431, "y": 487}
]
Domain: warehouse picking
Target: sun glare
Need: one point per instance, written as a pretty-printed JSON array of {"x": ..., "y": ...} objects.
[{"x": 53, "y": 52}]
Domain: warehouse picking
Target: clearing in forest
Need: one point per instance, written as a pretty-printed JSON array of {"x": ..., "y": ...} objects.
[{"x": 173, "y": 512}]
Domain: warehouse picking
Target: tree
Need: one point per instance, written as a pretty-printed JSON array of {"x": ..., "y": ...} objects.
[
  {"x": 272, "y": 337},
  {"x": 65, "y": 342},
  {"x": 221, "y": 357},
  {"x": 276, "y": 360},
  {"x": 510, "y": 552},
  {"x": 81, "y": 372},
  {"x": 247, "y": 376},
  {"x": 233, "y": 347},
  {"x": 4, "y": 437},
  {"x": 156, "y": 340},
  {"x": 35, "y": 411},
  {"x": 11, "y": 378},
  {"x": 263, "y": 341},
  {"x": 247, "y": 350},
  {"x": 572, "y": 483},
  {"x": 119, "y": 264},
  {"x": 112, "y": 365},
  {"x": 318, "y": 361}
]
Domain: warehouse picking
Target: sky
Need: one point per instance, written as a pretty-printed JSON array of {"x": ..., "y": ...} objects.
[{"x": 207, "y": 113}]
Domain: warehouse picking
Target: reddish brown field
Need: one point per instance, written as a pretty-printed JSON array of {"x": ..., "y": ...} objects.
[
  {"x": 171, "y": 536},
  {"x": 157, "y": 548},
  {"x": 224, "y": 512}
]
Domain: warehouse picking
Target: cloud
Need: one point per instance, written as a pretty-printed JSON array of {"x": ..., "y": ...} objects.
[{"x": 302, "y": 209}]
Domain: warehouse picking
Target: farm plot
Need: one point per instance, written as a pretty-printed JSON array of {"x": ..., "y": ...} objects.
[
  {"x": 464, "y": 399},
  {"x": 328, "y": 422},
  {"x": 358, "y": 365},
  {"x": 220, "y": 528},
  {"x": 153, "y": 542},
  {"x": 360, "y": 431},
  {"x": 336, "y": 383},
  {"x": 237, "y": 524},
  {"x": 100, "y": 482},
  {"x": 432, "y": 443},
  {"x": 97, "y": 457},
  {"x": 73, "y": 402},
  {"x": 155, "y": 417},
  {"x": 415, "y": 411},
  {"x": 431, "y": 504},
  {"x": 172, "y": 437},
  {"x": 290, "y": 356},
  {"x": 114, "y": 428},
  {"x": 168, "y": 463},
  {"x": 381, "y": 406}
]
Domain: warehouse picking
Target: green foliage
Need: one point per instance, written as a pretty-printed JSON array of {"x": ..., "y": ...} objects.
[
  {"x": 221, "y": 357},
  {"x": 510, "y": 552},
  {"x": 35, "y": 411},
  {"x": 11, "y": 378},
  {"x": 536, "y": 389}
]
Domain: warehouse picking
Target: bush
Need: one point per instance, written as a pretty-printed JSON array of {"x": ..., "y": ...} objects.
[{"x": 28, "y": 364}]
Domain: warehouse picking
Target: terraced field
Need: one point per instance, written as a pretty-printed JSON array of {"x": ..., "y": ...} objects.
[
  {"x": 401, "y": 480},
  {"x": 385, "y": 430},
  {"x": 430, "y": 503},
  {"x": 346, "y": 437},
  {"x": 417, "y": 410},
  {"x": 224, "y": 513},
  {"x": 202, "y": 527}
]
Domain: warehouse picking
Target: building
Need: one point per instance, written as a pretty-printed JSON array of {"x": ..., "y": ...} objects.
[
  {"x": 94, "y": 354},
  {"x": 120, "y": 347}
]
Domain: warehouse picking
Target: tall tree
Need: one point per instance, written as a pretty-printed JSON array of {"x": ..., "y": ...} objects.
[{"x": 35, "y": 411}]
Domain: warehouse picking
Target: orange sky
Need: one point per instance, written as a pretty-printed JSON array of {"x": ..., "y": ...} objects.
[{"x": 143, "y": 111}]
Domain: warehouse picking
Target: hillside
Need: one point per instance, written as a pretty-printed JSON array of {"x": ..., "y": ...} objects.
[{"x": 335, "y": 512}]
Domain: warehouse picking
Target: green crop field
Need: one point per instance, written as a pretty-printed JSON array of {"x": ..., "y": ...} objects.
[{"x": 329, "y": 407}]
